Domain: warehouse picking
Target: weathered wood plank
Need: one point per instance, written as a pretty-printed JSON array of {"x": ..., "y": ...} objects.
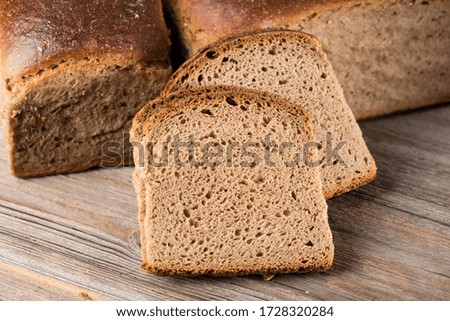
[
  {"x": 72, "y": 237},
  {"x": 24, "y": 284}
]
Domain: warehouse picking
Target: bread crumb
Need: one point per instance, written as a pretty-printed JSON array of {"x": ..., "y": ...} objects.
[
  {"x": 268, "y": 277},
  {"x": 85, "y": 296}
]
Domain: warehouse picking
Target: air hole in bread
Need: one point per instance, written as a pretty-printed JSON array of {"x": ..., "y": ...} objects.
[
  {"x": 309, "y": 244},
  {"x": 193, "y": 223},
  {"x": 294, "y": 195},
  {"x": 186, "y": 213},
  {"x": 184, "y": 78},
  {"x": 211, "y": 54},
  {"x": 231, "y": 101},
  {"x": 207, "y": 112}
]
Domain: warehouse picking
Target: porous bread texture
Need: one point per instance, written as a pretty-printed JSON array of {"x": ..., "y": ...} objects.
[
  {"x": 292, "y": 65},
  {"x": 388, "y": 55},
  {"x": 228, "y": 220},
  {"x": 58, "y": 120}
]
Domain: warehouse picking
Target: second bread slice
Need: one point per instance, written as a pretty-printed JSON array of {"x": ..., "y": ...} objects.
[
  {"x": 294, "y": 66},
  {"x": 251, "y": 210}
]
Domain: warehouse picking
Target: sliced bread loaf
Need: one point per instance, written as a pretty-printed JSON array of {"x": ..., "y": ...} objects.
[
  {"x": 293, "y": 65},
  {"x": 72, "y": 76},
  {"x": 222, "y": 205},
  {"x": 388, "y": 55}
]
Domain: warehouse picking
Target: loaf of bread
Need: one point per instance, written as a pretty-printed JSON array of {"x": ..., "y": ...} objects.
[
  {"x": 73, "y": 75},
  {"x": 388, "y": 55},
  {"x": 292, "y": 65},
  {"x": 207, "y": 210}
]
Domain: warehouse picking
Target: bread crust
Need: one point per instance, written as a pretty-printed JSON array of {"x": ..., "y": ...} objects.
[
  {"x": 179, "y": 270},
  {"x": 248, "y": 15},
  {"x": 36, "y": 35}
]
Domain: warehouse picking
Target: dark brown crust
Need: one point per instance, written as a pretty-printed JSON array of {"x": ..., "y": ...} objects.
[
  {"x": 228, "y": 17},
  {"x": 35, "y": 35},
  {"x": 224, "y": 45},
  {"x": 41, "y": 38}
]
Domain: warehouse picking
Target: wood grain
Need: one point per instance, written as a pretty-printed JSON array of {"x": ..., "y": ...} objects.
[{"x": 74, "y": 237}]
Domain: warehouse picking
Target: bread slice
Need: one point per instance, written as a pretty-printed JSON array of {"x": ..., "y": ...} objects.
[
  {"x": 228, "y": 214},
  {"x": 293, "y": 65},
  {"x": 73, "y": 75},
  {"x": 388, "y": 55}
]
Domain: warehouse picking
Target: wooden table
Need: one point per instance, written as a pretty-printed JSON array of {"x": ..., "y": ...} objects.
[{"x": 75, "y": 237}]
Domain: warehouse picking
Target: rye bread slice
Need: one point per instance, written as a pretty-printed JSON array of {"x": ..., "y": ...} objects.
[
  {"x": 294, "y": 66},
  {"x": 222, "y": 215}
]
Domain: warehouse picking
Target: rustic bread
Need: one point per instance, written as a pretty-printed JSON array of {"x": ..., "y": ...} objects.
[
  {"x": 388, "y": 55},
  {"x": 74, "y": 73},
  {"x": 235, "y": 215},
  {"x": 292, "y": 65}
]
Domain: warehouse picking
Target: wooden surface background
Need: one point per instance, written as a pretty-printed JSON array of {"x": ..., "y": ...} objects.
[{"x": 74, "y": 237}]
